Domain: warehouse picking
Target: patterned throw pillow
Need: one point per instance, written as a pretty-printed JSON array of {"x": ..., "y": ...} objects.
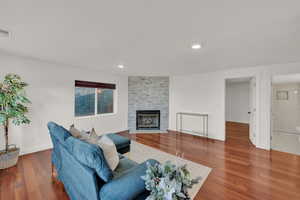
[
  {"x": 93, "y": 137},
  {"x": 75, "y": 132}
]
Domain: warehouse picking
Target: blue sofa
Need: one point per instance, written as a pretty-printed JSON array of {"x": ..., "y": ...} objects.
[
  {"x": 83, "y": 170},
  {"x": 122, "y": 143}
]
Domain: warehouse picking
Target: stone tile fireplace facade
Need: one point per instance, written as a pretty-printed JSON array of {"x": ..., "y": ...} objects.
[{"x": 148, "y": 94}]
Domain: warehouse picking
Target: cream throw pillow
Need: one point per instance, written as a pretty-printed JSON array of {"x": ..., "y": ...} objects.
[{"x": 110, "y": 151}]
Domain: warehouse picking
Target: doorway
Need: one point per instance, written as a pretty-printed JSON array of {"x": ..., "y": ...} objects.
[
  {"x": 285, "y": 113},
  {"x": 240, "y": 110}
]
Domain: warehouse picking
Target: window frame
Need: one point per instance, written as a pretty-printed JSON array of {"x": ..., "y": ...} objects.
[{"x": 95, "y": 85}]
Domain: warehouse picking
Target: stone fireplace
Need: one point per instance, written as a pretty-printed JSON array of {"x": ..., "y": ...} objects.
[
  {"x": 148, "y": 104},
  {"x": 147, "y": 120}
]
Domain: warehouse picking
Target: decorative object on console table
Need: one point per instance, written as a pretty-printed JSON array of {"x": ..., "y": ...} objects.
[
  {"x": 12, "y": 107},
  {"x": 168, "y": 181}
]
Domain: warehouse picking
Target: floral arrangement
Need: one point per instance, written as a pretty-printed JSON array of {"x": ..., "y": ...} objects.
[{"x": 168, "y": 181}]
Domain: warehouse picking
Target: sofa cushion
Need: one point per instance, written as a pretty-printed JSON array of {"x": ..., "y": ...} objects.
[
  {"x": 128, "y": 186},
  {"x": 119, "y": 140},
  {"x": 83, "y": 135},
  {"x": 110, "y": 151},
  {"x": 125, "y": 164},
  {"x": 58, "y": 132},
  {"x": 108, "y": 147},
  {"x": 90, "y": 155},
  {"x": 75, "y": 132}
]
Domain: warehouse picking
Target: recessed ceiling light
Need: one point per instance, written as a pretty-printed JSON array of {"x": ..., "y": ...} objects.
[
  {"x": 121, "y": 66},
  {"x": 4, "y": 33},
  {"x": 196, "y": 46}
]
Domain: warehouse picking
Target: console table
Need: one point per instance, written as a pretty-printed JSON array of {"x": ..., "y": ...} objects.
[{"x": 203, "y": 119}]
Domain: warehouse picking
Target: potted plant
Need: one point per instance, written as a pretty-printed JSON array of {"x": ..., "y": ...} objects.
[
  {"x": 168, "y": 182},
  {"x": 12, "y": 109}
]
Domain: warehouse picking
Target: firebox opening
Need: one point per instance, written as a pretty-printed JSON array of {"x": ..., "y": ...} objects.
[{"x": 147, "y": 119}]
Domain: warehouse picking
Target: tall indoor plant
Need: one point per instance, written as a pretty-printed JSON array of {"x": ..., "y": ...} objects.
[{"x": 13, "y": 108}]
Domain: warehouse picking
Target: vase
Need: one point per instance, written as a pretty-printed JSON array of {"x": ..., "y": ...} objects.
[{"x": 9, "y": 158}]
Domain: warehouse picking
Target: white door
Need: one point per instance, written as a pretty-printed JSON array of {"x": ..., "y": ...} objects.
[{"x": 252, "y": 111}]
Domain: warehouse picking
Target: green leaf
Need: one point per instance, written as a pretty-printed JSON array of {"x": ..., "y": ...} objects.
[
  {"x": 13, "y": 101},
  {"x": 2, "y": 119}
]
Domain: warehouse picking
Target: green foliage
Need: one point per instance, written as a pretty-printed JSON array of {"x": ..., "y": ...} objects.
[
  {"x": 168, "y": 182},
  {"x": 13, "y": 101}
]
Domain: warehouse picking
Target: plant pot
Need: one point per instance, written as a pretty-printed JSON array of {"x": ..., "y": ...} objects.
[{"x": 9, "y": 158}]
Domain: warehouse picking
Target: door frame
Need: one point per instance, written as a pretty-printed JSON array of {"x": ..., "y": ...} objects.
[
  {"x": 271, "y": 103},
  {"x": 254, "y": 142}
]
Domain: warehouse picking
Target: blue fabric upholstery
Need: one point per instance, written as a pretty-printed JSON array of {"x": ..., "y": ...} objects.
[
  {"x": 122, "y": 143},
  {"x": 90, "y": 155},
  {"x": 59, "y": 132},
  {"x": 80, "y": 181},
  {"x": 58, "y": 136},
  {"x": 124, "y": 165},
  {"x": 83, "y": 170},
  {"x": 131, "y": 183}
]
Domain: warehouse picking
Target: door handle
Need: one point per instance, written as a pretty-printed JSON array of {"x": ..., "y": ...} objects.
[{"x": 249, "y": 112}]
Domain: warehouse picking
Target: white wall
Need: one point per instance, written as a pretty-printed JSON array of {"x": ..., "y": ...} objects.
[
  {"x": 205, "y": 93},
  {"x": 237, "y": 101},
  {"x": 286, "y": 113},
  {"x": 51, "y": 90}
]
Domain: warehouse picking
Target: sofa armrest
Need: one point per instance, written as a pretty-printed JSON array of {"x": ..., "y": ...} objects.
[{"x": 127, "y": 186}]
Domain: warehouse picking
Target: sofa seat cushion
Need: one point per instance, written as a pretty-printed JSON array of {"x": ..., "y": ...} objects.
[
  {"x": 125, "y": 164},
  {"x": 120, "y": 141},
  {"x": 129, "y": 186},
  {"x": 91, "y": 156}
]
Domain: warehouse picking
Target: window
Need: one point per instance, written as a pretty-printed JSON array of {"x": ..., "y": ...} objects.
[
  {"x": 105, "y": 101},
  {"x": 84, "y": 101},
  {"x": 93, "y": 98}
]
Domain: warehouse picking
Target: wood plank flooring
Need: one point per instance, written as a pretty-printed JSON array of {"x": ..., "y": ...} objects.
[{"x": 240, "y": 171}]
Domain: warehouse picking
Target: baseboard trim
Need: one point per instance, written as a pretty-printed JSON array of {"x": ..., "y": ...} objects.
[
  {"x": 25, "y": 151},
  {"x": 187, "y": 133},
  {"x": 242, "y": 123}
]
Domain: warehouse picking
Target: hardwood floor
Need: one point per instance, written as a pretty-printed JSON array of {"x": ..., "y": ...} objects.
[
  {"x": 238, "y": 132},
  {"x": 240, "y": 171}
]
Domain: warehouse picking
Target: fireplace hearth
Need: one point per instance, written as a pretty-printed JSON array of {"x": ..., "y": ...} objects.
[{"x": 148, "y": 120}]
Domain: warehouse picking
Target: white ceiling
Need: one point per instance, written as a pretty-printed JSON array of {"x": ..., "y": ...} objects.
[{"x": 153, "y": 37}]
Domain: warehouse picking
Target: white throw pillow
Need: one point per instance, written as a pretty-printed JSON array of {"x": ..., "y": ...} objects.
[{"x": 110, "y": 151}]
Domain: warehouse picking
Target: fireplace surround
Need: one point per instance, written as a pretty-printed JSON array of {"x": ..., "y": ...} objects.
[
  {"x": 148, "y": 120},
  {"x": 148, "y": 93}
]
